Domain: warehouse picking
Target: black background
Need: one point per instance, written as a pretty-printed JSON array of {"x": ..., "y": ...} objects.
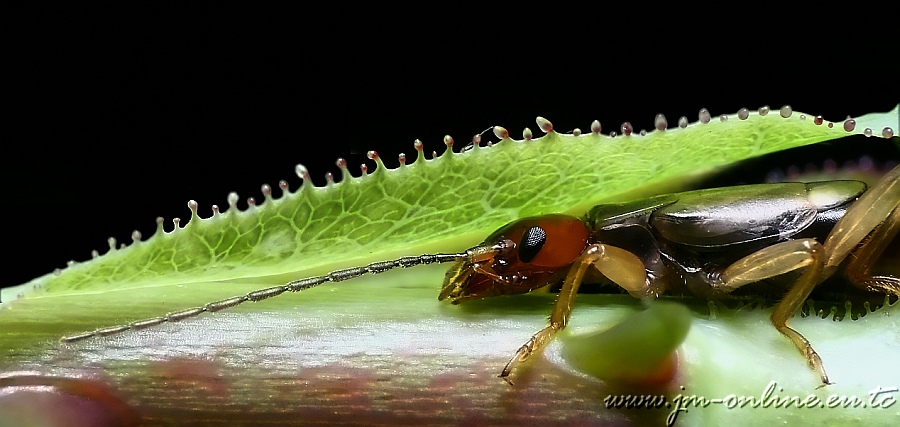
[{"x": 115, "y": 117}]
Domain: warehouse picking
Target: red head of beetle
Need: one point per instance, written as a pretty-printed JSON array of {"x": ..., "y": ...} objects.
[{"x": 520, "y": 257}]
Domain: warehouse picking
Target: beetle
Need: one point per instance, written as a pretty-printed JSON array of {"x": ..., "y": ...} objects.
[{"x": 708, "y": 243}]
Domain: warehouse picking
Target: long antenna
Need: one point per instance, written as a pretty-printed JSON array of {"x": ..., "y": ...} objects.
[{"x": 261, "y": 294}]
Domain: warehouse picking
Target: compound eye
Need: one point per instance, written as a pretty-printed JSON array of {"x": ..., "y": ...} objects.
[{"x": 532, "y": 242}]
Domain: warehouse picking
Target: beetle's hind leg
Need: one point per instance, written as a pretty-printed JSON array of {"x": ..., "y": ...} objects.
[
  {"x": 858, "y": 268},
  {"x": 881, "y": 202},
  {"x": 873, "y": 220}
]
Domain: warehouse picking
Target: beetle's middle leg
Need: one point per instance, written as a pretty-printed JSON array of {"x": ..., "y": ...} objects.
[
  {"x": 622, "y": 267},
  {"x": 775, "y": 260}
]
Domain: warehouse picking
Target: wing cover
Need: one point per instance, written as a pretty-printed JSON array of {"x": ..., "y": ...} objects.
[{"x": 721, "y": 217}]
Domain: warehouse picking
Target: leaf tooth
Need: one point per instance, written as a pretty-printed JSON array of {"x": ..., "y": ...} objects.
[
  {"x": 475, "y": 144},
  {"x": 764, "y": 110},
  {"x": 595, "y": 127},
  {"x": 379, "y": 164},
  {"x": 576, "y": 132},
  {"x": 232, "y": 202},
  {"x": 402, "y": 159},
  {"x": 192, "y": 205},
  {"x": 285, "y": 188},
  {"x": 527, "y": 135},
  {"x": 501, "y": 132},
  {"x": 660, "y": 123},
  {"x": 303, "y": 173},
  {"x": 743, "y": 114},
  {"x": 448, "y": 142},
  {"x": 135, "y": 237},
  {"x": 682, "y": 122},
  {"x": 626, "y": 128},
  {"x": 544, "y": 124},
  {"x": 704, "y": 116},
  {"x": 420, "y": 148},
  {"x": 341, "y": 163},
  {"x": 160, "y": 220},
  {"x": 266, "y": 192}
]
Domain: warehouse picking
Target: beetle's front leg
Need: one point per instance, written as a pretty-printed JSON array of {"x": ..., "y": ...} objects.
[{"x": 618, "y": 265}]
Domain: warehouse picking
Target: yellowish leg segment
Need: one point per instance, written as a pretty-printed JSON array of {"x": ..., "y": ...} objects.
[
  {"x": 619, "y": 265},
  {"x": 859, "y": 267},
  {"x": 779, "y": 259},
  {"x": 874, "y": 208}
]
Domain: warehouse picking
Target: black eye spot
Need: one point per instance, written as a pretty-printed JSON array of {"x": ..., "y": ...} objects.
[{"x": 531, "y": 243}]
